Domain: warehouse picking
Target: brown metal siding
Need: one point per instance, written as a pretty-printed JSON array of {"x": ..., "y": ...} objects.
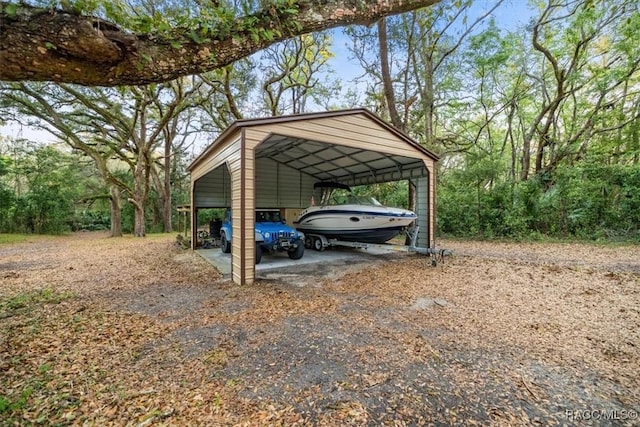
[
  {"x": 213, "y": 189},
  {"x": 250, "y": 139},
  {"x": 192, "y": 214},
  {"x": 433, "y": 203},
  {"x": 361, "y": 133},
  {"x": 249, "y": 209},
  {"x": 228, "y": 151},
  {"x": 235, "y": 170},
  {"x": 280, "y": 186},
  {"x": 423, "y": 210}
]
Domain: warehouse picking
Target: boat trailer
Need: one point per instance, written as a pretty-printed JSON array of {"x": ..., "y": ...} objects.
[{"x": 320, "y": 242}]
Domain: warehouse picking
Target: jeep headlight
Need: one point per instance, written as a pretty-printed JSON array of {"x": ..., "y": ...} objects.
[{"x": 267, "y": 235}]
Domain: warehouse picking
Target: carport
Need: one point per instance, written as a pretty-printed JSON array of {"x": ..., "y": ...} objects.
[{"x": 273, "y": 163}]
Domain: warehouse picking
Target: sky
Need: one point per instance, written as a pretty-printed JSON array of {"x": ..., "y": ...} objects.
[{"x": 510, "y": 15}]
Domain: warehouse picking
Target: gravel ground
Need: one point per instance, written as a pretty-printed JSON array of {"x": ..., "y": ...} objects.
[{"x": 131, "y": 331}]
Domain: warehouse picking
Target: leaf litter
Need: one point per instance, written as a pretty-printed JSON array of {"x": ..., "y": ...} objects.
[{"x": 129, "y": 331}]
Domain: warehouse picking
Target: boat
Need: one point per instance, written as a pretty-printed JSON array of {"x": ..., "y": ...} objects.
[{"x": 345, "y": 216}]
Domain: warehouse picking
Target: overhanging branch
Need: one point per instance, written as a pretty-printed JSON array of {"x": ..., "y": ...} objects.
[{"x": 53, "y": 45}]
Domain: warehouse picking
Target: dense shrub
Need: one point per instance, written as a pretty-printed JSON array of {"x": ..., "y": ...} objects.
[{"x": 592, "y": 201}]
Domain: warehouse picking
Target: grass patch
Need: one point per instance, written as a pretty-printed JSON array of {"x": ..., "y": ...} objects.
[
  {"x": 29, "y": 300},
  {"x": 9, "y": 238},
  {"x": 6, "y": 239},
  {"x": 7, "y": 405}
]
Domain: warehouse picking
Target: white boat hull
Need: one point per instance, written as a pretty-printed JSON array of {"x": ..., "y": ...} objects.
[{"x": 370, "y": 224}]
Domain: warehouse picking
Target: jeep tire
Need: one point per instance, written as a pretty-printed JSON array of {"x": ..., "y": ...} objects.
[
  {"x": 298, "y": 251},
  {"x": 225, "y": 245},
  {"x": 258, "y": 253}
]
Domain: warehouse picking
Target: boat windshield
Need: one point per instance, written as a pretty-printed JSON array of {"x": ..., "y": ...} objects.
[
  {"x": 340, "y": 198},
  {"x": 343, "y": 196}
]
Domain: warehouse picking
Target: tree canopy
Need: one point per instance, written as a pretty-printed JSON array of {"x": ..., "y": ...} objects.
[
  {"x": 116, "y": 43},
  {"x": 537, "y": 127}
]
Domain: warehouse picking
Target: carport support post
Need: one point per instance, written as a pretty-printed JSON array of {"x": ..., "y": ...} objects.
[
  {"x": 237, "y": 224},
  {"x": 243, "y": 211},
  {"x": 192, "y": 212},
  {"x": 425, "y": 210}
]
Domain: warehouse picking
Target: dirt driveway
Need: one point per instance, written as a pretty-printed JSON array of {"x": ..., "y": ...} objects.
[{"x": 128, "y": 331}]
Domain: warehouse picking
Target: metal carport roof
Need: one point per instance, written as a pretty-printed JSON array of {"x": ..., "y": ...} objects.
[{"x": 333, "y": 162}]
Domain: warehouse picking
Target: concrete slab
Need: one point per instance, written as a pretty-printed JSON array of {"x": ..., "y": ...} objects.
[{"x": 331, "y": 263}]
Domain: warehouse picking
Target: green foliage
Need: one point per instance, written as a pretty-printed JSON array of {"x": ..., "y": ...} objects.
[
  {"x": 394, "y": 194},
  {"x": 11, "y": 9},
  {"x": 206, "y": 215},
  {"x": 92, "y": 220},
  {"x": 7, "y": 195},
  {"x": 40, "y": 188},
  {"x": 565, "y": 111},
  {"x": 48, "y": 205},
  {"x": 589, "y": 201}
]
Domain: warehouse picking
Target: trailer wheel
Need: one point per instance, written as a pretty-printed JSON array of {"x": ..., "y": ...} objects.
[
  {"x": 308, "y": 242},
  {"x": 317, "y": 244}
]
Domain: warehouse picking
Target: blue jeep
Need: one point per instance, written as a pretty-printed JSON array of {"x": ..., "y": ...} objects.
[{"x": 271, "y": 234}]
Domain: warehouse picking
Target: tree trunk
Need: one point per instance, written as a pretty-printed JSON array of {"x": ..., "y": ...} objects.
[
  {"x": 509, "y": 137},
  {"x": 166, "y": 196},
  {"x": 387, "y": 81},
  {"x": 390, "y": 97},
  {"x": 163, "y": 205},
  {"x": 167, "y": 225},
  {"x": 138, "y": 200},
  {"x": 428, "y": 99},
  {"x": 525, "y": 163},
  {"x": 138, "y": 222},
  {"x": 634, "y": 139},
  {"x": 116, "y": 213}
]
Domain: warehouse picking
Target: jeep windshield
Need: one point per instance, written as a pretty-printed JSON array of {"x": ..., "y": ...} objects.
[{"x": 268, "y": 216}]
